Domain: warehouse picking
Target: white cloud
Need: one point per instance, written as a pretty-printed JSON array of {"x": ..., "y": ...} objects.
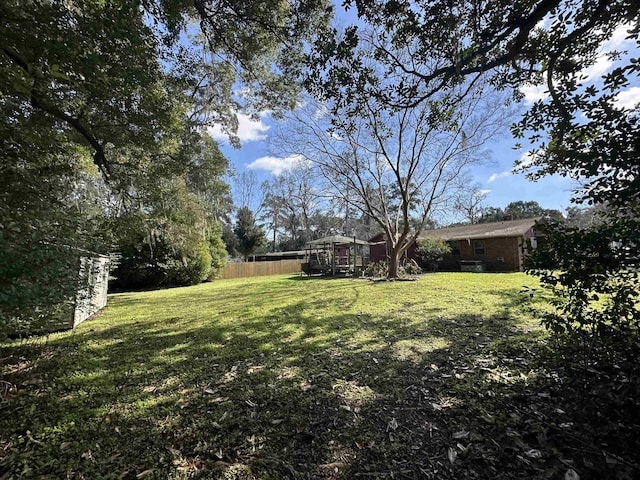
[
  {"x": 533, "y": 93},
  {"x": 496, "y": 176},
  {"x": 544, "y": 23},
  {"x": 618, "y": 39},
  {"x": 320, "y": 112},
  {"x": 628, "y": 99},
  {"x": 601, "y": 66},
  {"x": 249, "y": 130},
  {"x": 484, "y": 192},
  {"x": 277, "y": 165},
  {"x": 526, "y": 159}
]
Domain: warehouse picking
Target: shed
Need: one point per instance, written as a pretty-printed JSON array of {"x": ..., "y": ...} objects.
[{"x": 91, "y": 297}]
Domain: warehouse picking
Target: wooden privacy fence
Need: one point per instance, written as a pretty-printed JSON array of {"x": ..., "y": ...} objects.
[{"x": 257, "y": 269}]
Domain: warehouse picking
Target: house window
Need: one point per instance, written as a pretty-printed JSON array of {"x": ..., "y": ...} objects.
[
  {"x": 455, "y": 247},
  {"x": 478, "y": 247}
]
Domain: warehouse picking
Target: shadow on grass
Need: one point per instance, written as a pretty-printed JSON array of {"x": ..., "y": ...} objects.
[{"x": 270, "y": 387}]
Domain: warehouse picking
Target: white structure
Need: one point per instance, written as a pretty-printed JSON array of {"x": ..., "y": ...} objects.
[{"x": 91, "y": 296}]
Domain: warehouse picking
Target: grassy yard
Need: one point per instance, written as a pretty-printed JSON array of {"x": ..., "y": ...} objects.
[{"x": 286, "y": 377}]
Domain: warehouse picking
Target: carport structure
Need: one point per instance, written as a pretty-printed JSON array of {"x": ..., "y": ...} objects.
[{"x": 336, "y": 255}]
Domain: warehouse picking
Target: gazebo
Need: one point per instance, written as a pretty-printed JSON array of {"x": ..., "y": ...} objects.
[{"x": 336, "y": 254}]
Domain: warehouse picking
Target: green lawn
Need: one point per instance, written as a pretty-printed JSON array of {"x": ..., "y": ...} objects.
[{"x": 287, "y": 377}]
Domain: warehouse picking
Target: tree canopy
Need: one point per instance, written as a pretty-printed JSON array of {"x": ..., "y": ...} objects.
[
  {"x": 398, "y": 166},
  {"x": 250, "y": 236},
  {"x": 131, "y": 87}
]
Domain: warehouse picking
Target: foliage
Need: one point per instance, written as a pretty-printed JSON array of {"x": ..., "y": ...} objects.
[
  {"x": 377, "y": 269},
  {"x": 396, "y": 167},
  {"x": 217, "y": 250},
  {"x": 585, "y": 217},
  {"x": 380, "y": 269},
  {"x": 519, "y": 210},
  {"x": 110, "y": 80},
  {"x": 50, "y": 210},
  {"x": 168, "y": 243},
  {"x": 292, "y": 377},
  {"x": 585, "y": 131},
  {"x": 592, "y": 273},
  {"x": 250, "y": 236},
  {"x": 432, "y": 249},
  {"x": 515, "y": 43},
  {"x": 230, "y": 240},
  {"x": 129, "y": 86},
  {"x": 411, "y": 267}
]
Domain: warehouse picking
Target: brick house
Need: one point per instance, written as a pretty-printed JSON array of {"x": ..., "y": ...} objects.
[{"x": 496, "y": 246}]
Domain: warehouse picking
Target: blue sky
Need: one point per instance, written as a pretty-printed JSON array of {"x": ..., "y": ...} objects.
[{"x": 497, "y": 177}]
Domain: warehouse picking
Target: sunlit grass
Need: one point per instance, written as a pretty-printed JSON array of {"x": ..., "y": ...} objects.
[{"x": 284, "y": 369}]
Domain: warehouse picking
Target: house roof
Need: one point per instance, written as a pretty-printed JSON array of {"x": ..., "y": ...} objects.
[
  {"x": 338, "y": 240},
  {"x": 511, "y": 228}
]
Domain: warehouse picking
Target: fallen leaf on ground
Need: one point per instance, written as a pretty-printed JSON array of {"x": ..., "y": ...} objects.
[
  {"x": 146, "y": 473},
  {"x": 571, "y": 475},
  {"x": 452, "y": 455}
]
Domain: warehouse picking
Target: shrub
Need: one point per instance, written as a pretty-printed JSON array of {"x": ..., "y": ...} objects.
[
  {"x": 192, "y": 268},
  {"x": 431, "y": 250},
  {"x": 381, "y": 269},
  {"x": 411, "y": 267},
  {"x": 163, "y": 256},
  {"x": 377, "y": 269},
  {"x": 592, "y": 276}
]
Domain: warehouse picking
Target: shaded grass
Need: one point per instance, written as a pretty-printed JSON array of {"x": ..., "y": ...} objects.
[{"x": 289, "y": 377}]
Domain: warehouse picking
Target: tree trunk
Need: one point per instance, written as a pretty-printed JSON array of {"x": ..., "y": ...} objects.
[{"x": 394, "y": 261}]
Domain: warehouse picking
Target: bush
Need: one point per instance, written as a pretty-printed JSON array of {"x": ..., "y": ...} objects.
[
  {"x": 166, "y": 255},
  {"x": 431, "y": 251},
  {"x": 36, "y": 300},
  {"x": 190, "y": 269},
  {"x": 411, "y": 267},
  {"x": 381, "y": 269},
  {"x": 592, "y": 276},
  {"x": 377, "y": 269}
]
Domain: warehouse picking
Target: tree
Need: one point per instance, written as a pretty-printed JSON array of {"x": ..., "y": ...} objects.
[
  {"x": 217, "y": 250},
  {"x": 471, "y": 204},
  {"x": 165, "y": 242},
  {"x": 108, "y": 79},
  {"x": 230, "y": 240},
  {"x": 518, "y": 210},
  {"x": 515, "y": 42},
  {"x": 126, "y": 85},
  {"x": 291, "y": 204},
  {"x": 584, "y": 131},
  {"x": 44, "y": 224},
  {"x": 586, "y": 216},
  {"x": 396, "y": 166},
  {"x": 250, "y": 236}
]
